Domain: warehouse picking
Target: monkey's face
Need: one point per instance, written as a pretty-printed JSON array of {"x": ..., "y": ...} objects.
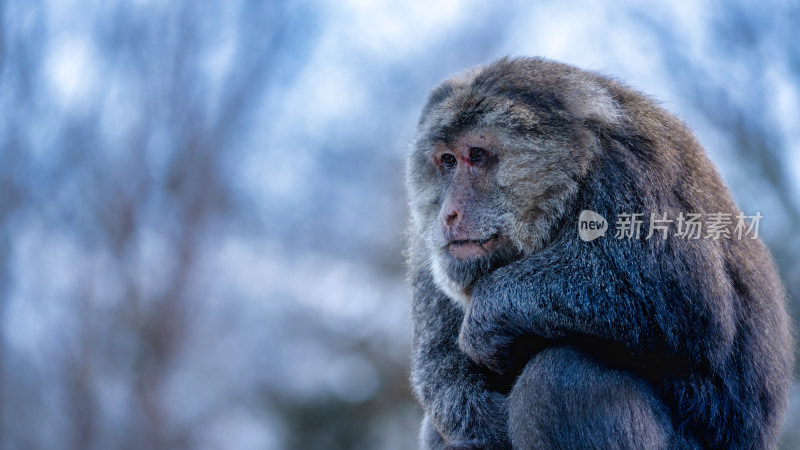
[
  {"x": 478, "y": 203},
  {"x": 492, "y": 172},
  {"x": 470, "y": 236}
]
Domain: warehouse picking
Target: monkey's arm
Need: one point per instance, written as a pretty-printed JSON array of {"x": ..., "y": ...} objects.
[
  {"x": 453, "y": 389},
  {"x": 649, "y": 297}
]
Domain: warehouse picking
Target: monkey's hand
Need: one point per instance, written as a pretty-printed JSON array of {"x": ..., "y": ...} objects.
[
  {"x": 484, "y": 338},
  {"x": 494, "y": 331}
]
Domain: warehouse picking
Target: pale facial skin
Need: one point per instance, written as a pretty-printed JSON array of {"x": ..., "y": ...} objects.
[
  {"x": 472, "y": 239},
  {"x": 470, "y": 164}
]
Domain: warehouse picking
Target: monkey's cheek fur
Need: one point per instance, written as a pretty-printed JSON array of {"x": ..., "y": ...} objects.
[{"x": 455, "y": 291}]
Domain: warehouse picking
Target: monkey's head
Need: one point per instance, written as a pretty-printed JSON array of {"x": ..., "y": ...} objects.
[{"x": 499, "y": 153}]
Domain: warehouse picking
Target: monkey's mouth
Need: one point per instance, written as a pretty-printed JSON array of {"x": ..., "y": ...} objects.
[
  {"x": 467, "y": 260},
  {"x": 473, "y": 248}
]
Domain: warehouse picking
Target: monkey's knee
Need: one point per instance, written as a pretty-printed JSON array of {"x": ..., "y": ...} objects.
[{"x": 566, "y": 399}]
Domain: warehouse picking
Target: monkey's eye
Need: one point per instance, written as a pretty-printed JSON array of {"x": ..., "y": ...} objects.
[
  {"x": 448, "y": 161},
  {"x": 476, "y": 154}
]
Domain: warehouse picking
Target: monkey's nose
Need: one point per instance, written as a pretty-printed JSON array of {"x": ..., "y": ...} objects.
[{"x": 451, "y": 219}]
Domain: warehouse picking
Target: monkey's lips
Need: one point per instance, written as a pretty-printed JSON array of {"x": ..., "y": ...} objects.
[{"x": 473, "y": 248}]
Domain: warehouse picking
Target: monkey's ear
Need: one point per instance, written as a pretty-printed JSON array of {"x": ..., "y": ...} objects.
[{"x": 592, "y": 104}]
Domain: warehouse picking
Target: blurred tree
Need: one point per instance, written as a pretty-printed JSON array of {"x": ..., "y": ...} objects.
[{"x": 201, "y": 204}]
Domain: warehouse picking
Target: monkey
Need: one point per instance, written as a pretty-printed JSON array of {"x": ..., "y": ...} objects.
[{"x": 526, "y": 336}]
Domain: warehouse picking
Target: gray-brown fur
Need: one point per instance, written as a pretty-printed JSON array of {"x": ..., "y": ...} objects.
[{"x": 680, "y": 343}]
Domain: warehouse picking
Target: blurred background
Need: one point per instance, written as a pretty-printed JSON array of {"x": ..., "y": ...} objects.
[{"x": 202, "y": 204}]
